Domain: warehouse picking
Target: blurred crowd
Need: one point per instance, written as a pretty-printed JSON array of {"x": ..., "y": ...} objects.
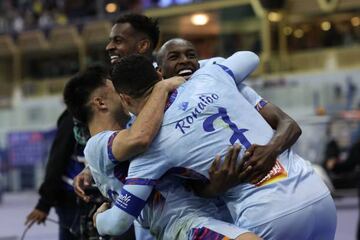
[{"x": 18, "y": 15}]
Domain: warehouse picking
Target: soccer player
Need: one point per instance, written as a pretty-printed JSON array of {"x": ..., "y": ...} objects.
[
  {"x": 131, "y": 33},
  {"x": 179, "y": 215},
  {"x": 203, "y": 116}
]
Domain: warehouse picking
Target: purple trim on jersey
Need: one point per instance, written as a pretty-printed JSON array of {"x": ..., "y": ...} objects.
[
  {"x": 141, "y": 181},
  {"x": 204, "y": 233},
  {"x": 186, "y": 173},
  {"x": 130, "y": 203},
  {"x": 109, "y": 148},
  {"x": 121, "y": 171},
  {"x": 261, "y": 104},
  {"x": 227, "y": 70},
  {"x": 171, "y": 99}
]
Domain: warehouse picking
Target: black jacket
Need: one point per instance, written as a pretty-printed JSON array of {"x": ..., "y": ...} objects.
[{"x": 51, "y": 191}]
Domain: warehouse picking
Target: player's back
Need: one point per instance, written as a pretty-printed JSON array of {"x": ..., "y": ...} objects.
[{"x": 206, "y": 115}]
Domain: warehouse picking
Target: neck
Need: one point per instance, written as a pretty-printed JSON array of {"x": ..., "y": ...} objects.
[
  {"x": 103, "y": 122},
  {"x": 139, "y": 104}
]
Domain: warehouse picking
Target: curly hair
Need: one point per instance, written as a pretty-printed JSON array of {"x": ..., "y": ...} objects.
[{"x": 143, "y": 24}]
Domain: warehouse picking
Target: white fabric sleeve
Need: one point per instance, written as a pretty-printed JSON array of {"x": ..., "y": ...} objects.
[
  {"x": 208, "y": 61},
  {"x": 241, "y": 64},
  {"x": 118, "y": 219},
  {"x": 250, "y": 95}
]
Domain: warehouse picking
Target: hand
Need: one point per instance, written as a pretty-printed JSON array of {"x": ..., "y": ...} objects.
[
  {"x": 262, "y": 159},
  {"x": 222, "y": 176},
  {"x": 105, "y": 206},
  {"x": 81, "y": 182},
  {"x": 37, "y": 216},
  {"x": 330, "y": 164},
  {"x": 228, "y": 174},
  {"x": 171, "y": 84}
]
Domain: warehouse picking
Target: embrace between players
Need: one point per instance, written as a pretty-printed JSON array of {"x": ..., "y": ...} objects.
[{"x": 154, "y": 133}]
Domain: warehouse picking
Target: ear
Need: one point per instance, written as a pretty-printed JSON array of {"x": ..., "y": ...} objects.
[
  {"x": 125, "y": 101},
  {"x": 143, "y": 46},
  {"x": 99, "y": 103},
  {"x": 160, "y": 76}
]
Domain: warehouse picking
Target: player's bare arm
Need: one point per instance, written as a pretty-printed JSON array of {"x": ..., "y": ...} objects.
[
  {"x": 136, "y": 139},
  {"x": 263, "y": 157}
]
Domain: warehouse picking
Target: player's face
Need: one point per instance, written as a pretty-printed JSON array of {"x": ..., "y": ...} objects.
[
  {"x": 180, "y": 59},
  {"x": 123, "y": 41}
]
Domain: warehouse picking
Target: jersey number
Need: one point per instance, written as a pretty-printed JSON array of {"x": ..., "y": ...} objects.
[{"x": 238, "y": 134}]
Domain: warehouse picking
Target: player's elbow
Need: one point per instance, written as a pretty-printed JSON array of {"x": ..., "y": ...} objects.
[
  {"x": 140, "y": 143},
  {"x": 251, "y": 58},
  {"x": 294, "y": 126},
  {"x": 116, "y": 227},
  {"x": 297, "y": 130}
]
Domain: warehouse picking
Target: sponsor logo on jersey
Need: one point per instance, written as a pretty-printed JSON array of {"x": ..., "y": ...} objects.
[
  {"x": 183, "y": 106},
  {"x": 277, "y": 173},
  {"x": 185, "y": 123},
  {"x": 123, "y": 200}
]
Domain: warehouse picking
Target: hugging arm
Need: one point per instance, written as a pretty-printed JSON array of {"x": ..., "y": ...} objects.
[
  {"x": 118, "y": 219},
  {"x": 286, "y": 132},
  {"x": 136, "y": 139}
]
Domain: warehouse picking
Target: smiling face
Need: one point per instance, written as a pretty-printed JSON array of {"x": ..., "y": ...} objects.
[
  {"x": 178, "y": 58},
  {"x": 124, "y": 40}
]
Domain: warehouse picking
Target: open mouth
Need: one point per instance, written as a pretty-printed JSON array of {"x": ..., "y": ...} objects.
[
  {"x": 185, "y": 73},
  {"x": 114, "y": 59}
]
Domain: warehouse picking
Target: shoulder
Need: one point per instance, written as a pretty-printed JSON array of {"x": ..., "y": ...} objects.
[
  {"x": 96, "y": 149},
  {"x": 98, "y": 141}
]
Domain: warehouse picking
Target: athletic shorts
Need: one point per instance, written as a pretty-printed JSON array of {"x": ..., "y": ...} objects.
[
  {"x": 314, "y": 222},
  {"x": 202, "y": 228}
]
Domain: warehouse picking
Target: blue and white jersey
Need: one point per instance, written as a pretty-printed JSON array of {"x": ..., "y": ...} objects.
[
  {"x": 206, "y": 115},
  {"x": 109, "y": 174},
  {"x": 173, "y": 212}
]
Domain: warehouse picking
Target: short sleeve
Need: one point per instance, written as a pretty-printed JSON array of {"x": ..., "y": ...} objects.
[
  {"x": 240, "y": 65},
  {"x": 250, "y": 95},
  {"x": 148, "y": 168}
]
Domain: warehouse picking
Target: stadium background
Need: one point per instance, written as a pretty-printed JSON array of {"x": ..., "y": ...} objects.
[{"x": 310, "y": 67}]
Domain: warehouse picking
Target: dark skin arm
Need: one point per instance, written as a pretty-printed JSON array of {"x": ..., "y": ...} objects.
[
  {"x": 258, "y": 159},
  {"x": 263, "y": 157}
]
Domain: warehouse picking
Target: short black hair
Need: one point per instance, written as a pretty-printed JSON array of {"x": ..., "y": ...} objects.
[
  {"x": 133, "y": 75},
  {"x": 143, "y": 24},
  {"x": 79, "y": 88}
]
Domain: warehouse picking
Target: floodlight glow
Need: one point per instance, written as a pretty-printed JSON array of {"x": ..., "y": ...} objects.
[
  {"x": 199, "y": 19},
  {"x": 111, "y": 7},
  {"x": 326, "y": 26},
  {"x": 274, "y": 16},
  {"x": 355, "y": 21},
  {"x": 299, "y": 33}
]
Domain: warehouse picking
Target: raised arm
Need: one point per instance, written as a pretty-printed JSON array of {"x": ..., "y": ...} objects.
[
  {"x": 287, "y": 131},
  {"x": 136, "y": 139},
  {"x": 240, "y": 65}
]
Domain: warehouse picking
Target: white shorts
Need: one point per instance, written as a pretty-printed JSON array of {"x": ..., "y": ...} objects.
[
  {"x": 314, "y": 222},
  {"x": 202, "y": 228}
]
